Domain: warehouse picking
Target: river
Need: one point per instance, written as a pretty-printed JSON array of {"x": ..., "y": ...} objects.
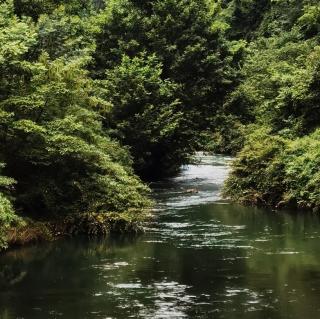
[{"x": 201, "y": 257}]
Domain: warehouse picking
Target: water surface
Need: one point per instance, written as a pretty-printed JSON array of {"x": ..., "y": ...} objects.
[{"x": 201, "y": 258}]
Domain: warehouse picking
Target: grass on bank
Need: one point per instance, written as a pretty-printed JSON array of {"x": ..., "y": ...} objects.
[{"x": 28, "y": 231}]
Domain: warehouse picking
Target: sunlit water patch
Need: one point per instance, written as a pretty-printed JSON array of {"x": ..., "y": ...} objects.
[{"x": 196, "y": 184}]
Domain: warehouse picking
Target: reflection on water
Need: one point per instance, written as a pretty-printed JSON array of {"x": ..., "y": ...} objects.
[{"x": 200, "y": 258}]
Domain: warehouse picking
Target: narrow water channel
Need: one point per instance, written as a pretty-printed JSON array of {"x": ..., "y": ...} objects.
[{"x": 201, "y": 258}]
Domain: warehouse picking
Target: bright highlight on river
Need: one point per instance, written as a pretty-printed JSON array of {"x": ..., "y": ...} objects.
[{"x": 201, "y": 257}]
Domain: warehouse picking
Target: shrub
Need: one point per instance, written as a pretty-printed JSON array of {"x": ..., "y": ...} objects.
[
  {"x": 274, "y": 171},
  {"x": 28, "y": 232},
  {"x": 302, "y": 176},
  {"x": 257, "y": 172}
]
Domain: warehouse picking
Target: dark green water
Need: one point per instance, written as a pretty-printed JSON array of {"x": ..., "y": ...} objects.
[{"x": 201, "y": 258}]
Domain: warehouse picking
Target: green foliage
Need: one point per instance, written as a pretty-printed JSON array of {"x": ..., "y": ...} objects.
[
  {"x": 244, "y": 17},
  {"x": 101, "y": 224},
  {"x": 36, "y": 8},
  {"x": 7, "y": 215},
  {"x": 280, "y": 17},
  {"x": 192, "y": 55},
  {"x": 280, "y": 83},
  {"x": 227, "y": 137},
  {"x": 66, "y": 35},
  {"x": 52, "y": 130},
  {"x": 257, "y": 174},
  {"x": 144, "y": 113},
  {"x": 280, "y": 89},
  {"x": 277, "y": 172},
  {"x": 93, "y": 92},
  {"x": 302, "y": 174},
  {"x": 310, "y": 20},
  {"x": 51, "y": 138}
]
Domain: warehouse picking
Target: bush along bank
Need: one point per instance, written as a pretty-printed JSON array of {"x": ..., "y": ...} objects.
[
  {"x": 28, "y": 231},
  {"x": 276, "y": 101},
  {"x": 277, "y": 172}
]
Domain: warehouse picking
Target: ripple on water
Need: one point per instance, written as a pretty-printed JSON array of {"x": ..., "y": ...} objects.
[
  {"x": 196, "y": 260},
  {"x": 195, "y": 185},
  {"x": 168, "y": 299}
]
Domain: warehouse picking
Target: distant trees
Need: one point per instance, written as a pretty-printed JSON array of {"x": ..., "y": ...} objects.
[
  {"x": 144, "y": 113},
  {"x": 191, "y": 55}
]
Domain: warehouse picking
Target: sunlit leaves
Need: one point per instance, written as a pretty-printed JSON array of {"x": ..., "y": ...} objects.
[{"x": 51, "y": 137}]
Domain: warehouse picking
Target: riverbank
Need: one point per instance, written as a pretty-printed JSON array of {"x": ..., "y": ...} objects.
[
  {"x": 277, "y": 172},
  {"x": 29, "y": 231}
]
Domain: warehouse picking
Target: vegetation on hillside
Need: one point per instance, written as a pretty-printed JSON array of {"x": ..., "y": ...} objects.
[
  {"x": 96, "y": 96},
  {"x": 279, "y": 92}
]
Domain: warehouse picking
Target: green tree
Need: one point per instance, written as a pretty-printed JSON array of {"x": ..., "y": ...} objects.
[
  {"x": 51, "y": 137},
  {"x": 192, "y": 53},
  {"x": 278, "y": 166},
  {"x": 145, "y": 114}
]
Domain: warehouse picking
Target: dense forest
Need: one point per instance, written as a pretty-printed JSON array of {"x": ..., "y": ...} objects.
[{"x": 97, "y": 98}]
